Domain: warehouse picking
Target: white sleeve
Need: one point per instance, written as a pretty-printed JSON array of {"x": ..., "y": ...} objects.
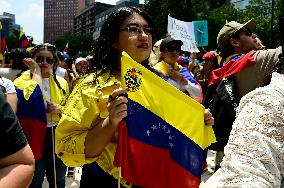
[{"x": 9, "y": 86}]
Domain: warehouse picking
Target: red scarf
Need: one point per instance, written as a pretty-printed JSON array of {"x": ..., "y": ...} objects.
[{"x": 232, "y": 67}]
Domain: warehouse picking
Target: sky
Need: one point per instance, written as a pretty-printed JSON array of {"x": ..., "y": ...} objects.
[{"x": 29, "y": 14}]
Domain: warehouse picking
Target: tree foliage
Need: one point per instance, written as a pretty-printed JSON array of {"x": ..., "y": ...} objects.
[
  {"x": 13, "y": 40},
  {"x": 76, "y": 44},
  {"x": 216, "y": 12}
]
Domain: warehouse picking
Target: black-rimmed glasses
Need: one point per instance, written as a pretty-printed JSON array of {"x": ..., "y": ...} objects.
[{"x": 136, "y": 30}]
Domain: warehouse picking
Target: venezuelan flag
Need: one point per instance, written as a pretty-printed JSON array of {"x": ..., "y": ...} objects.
[
  {"x": 31, "y": 113},
  {"x": 162, "y": 139},
  {"x": 23, "y": 40}
]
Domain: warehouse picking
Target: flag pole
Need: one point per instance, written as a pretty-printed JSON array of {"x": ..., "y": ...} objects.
[{"x": 119, "y": 177}]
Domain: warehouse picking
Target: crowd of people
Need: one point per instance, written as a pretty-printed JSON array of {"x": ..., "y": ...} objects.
[{"x": 59, "y": 112}]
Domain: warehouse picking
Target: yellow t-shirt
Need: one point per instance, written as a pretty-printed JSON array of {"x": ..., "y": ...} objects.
[{"x": 165, "y": 68}]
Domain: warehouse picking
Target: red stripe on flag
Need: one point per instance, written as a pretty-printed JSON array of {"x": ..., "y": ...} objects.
[
  {"x": 150, "y": 166},
  {"x": 35, "y": 132}
]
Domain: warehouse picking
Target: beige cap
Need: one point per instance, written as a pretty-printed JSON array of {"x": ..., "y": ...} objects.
[{"x": 231, "y": 28}]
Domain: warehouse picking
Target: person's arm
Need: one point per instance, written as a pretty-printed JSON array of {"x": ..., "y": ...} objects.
[
  {"x": 12, "y": 99},
  {"x": 11, "y": 95},
  {"x": 98, "y": 137},
  {"x": 75, "y": 71},
  {"x": 16, "y": 170},
  {"x": 16, "y": 157},
  {"x": 35, "y": 71}
]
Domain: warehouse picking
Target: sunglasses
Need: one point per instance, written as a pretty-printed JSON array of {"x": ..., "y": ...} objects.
[
  {"x": 40, "y": 59},
  {"x": 173, "y": 48},
  {"x": 136, "y": 30}
]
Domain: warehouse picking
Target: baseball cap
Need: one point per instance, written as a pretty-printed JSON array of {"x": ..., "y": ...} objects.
[
  {"x": 79, "y": 59},
  {"x": 208, "y": 55},
  {"x": 168, "y": 40},
  {"x": 231, "y": 28}
]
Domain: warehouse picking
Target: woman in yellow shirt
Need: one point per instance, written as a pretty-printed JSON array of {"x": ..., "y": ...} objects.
[{"x": 86, "y": 133}]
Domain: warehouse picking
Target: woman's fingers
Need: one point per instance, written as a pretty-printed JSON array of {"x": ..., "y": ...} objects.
[
  {"x": 117, "y": 93},
  {"x": 208, "y": 118},
  {"x": 117, "y": 105}
]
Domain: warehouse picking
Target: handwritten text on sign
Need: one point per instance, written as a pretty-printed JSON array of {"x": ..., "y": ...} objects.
[{"x": 183, "y": 31}]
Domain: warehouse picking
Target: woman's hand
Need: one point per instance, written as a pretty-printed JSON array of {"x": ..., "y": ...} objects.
[
  {"x": 32, "y": 65},
  {"x": 175, "y": 75},
  {"x": 208, "y": 118},
  {"x": 117, "y": 106},
  {"x": 52, "y": 108}
]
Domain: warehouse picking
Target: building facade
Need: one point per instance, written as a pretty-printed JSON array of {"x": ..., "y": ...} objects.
[
  {"x": 84, "y": 21},
  {"x": 58, "y": 18},
  {"x": 82, "y": 4},
  {"x": 100, "y": 18},
  {"x": 8, "y": 24}
]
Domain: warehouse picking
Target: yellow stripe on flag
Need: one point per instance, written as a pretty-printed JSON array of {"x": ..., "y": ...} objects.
[{"x": 167, "y": 102}]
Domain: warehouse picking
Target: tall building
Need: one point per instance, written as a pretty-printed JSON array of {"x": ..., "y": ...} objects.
[
  {"x": 8, "y": 24},
  {"x": 84, "y": 21},
  {"x": 82, "y": 4},
  {"x": 58, "y": 18}
]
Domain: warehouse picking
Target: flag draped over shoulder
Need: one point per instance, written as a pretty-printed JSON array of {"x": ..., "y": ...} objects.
[
  {"x": 162, "y": 139},
  {"x": 23, "y": 40},
  {"x": 31, "y": 114}
]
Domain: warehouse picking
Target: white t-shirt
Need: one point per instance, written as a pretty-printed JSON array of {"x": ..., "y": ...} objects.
[
  {"x": 46, "y": 92},
  {"x": 8, "y": 84},
  {"x": 60, "y": 72}
]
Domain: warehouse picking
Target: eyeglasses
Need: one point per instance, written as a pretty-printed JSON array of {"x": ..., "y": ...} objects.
[
  {"x": 136, "y": 30},
  {"x": 173, "y": 48},
  {"x": 40, "y": 59}
]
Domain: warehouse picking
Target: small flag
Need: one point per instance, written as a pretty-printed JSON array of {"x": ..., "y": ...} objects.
[{"x": 23, "y": 40}]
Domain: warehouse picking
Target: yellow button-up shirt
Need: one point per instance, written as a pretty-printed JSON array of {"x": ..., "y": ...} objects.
[{"x": 86, "y": 104}]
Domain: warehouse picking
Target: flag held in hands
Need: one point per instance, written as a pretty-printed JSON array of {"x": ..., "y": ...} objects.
[{"x": 162, "y": 139}]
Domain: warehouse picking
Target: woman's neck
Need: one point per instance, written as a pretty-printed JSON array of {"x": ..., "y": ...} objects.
[{"x": 45, "y": 75}]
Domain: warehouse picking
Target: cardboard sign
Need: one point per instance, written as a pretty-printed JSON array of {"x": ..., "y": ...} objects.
[{"x": 183, "y": 31}]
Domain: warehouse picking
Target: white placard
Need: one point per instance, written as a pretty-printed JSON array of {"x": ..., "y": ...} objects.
[{"x": 183, "y": 31}]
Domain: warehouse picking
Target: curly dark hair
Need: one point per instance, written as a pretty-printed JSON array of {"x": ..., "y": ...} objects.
[{"x": 104, "y": 55}]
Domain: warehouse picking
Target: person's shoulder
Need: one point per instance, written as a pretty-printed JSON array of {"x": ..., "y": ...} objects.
[
  {"x": 9, "y": 73},
  {"x": 100, "y": 81},
  {"x": 60, "y": 69},
  {"x": 8, "y": 84}
]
